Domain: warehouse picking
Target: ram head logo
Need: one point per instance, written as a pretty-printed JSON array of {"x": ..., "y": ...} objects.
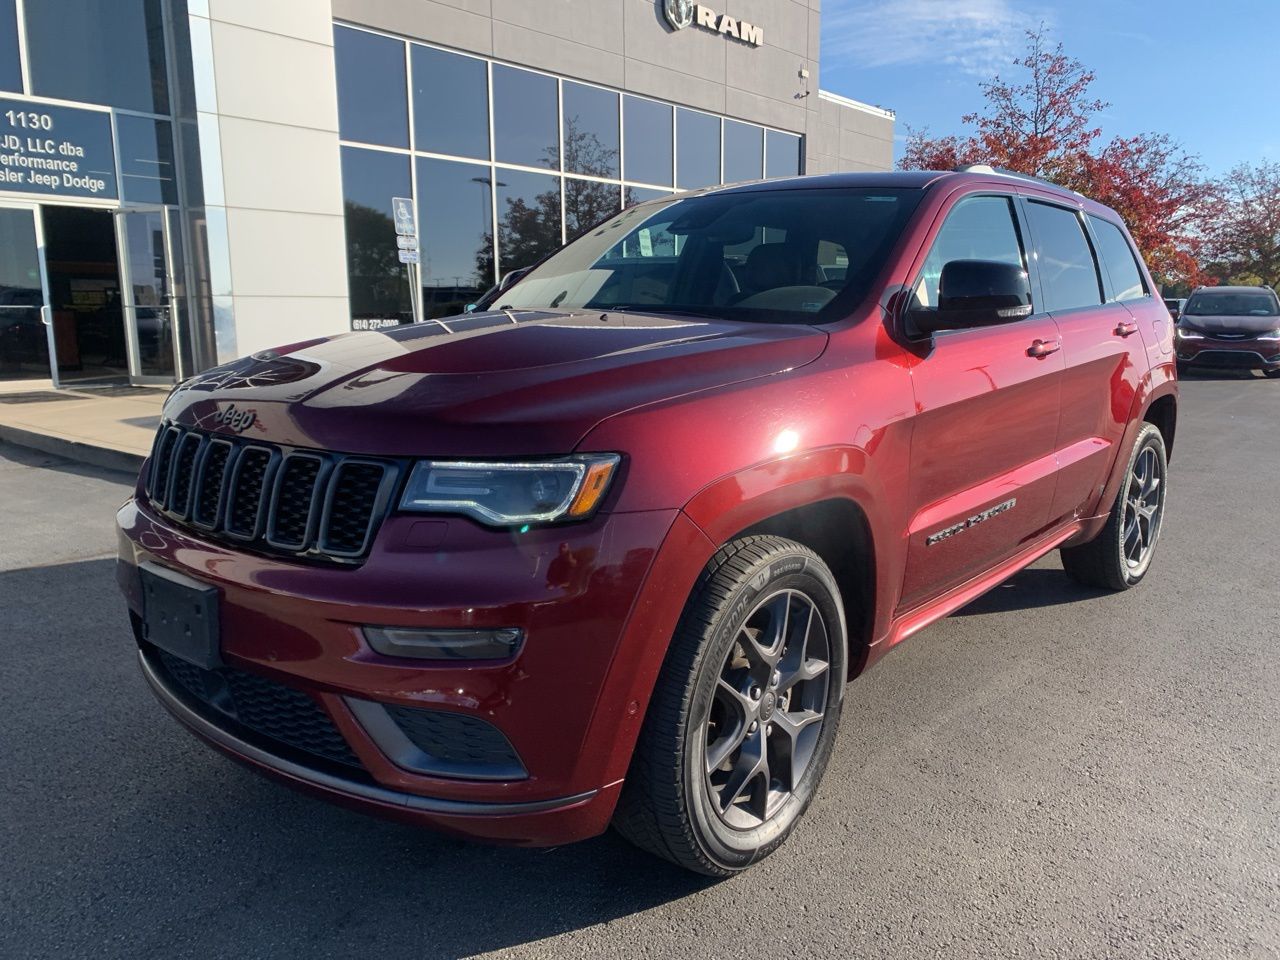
[{"x": 679, "y": 13}]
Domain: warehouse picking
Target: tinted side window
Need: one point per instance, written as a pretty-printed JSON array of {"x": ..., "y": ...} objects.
[
  {"x": 1114, "y": 249},
  {"x": 979, "y": 228},
  {"x": 1068, "y": 272}
]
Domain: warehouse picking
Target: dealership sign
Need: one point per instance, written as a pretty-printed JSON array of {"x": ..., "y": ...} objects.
[
  {"x": 686, "y": 13},
  {"x": 55, "y": 150}
]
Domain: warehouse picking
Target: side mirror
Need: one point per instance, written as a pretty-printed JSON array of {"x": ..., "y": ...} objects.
[
  {"x": 512, "y": 278},
  {"x": 469, "y": 308},
  {"x": 976, "y": 293}
]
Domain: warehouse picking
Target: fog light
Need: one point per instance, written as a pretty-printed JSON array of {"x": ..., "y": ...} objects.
[{"x": 427, "y": 643}]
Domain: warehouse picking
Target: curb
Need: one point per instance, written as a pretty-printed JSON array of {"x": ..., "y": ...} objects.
[{"x": 130, "y": 463}]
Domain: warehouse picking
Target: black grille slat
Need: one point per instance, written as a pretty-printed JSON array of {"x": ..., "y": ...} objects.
[
  {"x": 213, "y": 472},
  {"x": 184, "y": 468},
  {"x": 294, "y": 501},
  {"x": 248, "y": 483},
  {"x": 308, "y": 504},
  {"x": 268, "y": 708},
  {"x": 161, "y": 464},
  {"x": 353, "y": 500}
]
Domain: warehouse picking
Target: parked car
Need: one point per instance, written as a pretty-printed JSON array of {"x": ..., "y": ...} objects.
[
  {"x": 1231, "y": 327},
  {"x": 1175, "y": 306},
  {"x": 611, "y": 551}
]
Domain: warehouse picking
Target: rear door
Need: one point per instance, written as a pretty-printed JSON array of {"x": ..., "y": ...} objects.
[
  {"x": 1102, "y": 345},
  {"x": 987, "y": 399}
]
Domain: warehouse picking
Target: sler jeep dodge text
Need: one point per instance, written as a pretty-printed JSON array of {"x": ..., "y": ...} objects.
[{"x": 610, "y": 550}]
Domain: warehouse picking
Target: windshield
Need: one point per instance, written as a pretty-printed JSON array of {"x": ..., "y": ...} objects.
[
  {"x": 788, "y": 256},
  {"x": 1231, "y": 305}
]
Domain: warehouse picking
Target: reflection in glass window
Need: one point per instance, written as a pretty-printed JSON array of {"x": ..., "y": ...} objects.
[
  {"x": 646, "y": 138},
  {"x": 1115, "y": 252},
  {"x": 146, "y": 159},
  {"x": 455, "y": 221},
  {"x": 528, "y": 218},
  {"x": 978, "y": 228},
  {"x": 450, "y": 103},
  {"x": 371, "y": 94},
  {"x": 781, "y": 154},
  {"x": 698, "y": 149},
  {"x": 1068, "y": 273},
  {"x": 590, "y": 130},
  {"x": 98, "y": 51},
  {"x": 633, "y": 195},
  {"x": 378, "y": 282},
  {"x": 743, "y": 151},
  {"x": 586, "y": 203},
  {"x": 10, "y": 66},
  {"x": 526, "y": 128}
]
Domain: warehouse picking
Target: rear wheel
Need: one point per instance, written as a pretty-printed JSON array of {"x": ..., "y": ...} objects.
[
  {"x": 743, "y": 717},
  {"x": 1119, "y": 557}
]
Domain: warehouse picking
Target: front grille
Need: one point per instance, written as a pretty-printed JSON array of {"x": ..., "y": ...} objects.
[
  {"x": 1229, "y": 358},
  {"x": 269, "y": 709},
  {"x": 298, "y": 503}
]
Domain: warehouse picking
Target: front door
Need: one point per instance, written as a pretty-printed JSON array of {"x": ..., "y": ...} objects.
[
  {"x": 24, "y": 331},
  {"x": 983, "y": 468}
]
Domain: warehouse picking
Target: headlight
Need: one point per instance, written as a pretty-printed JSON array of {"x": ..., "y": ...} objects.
[
  {"x": 1185, "y": 334},
  {"x": 506, "y": 494},
  {"x": 1270, "y": 335}
]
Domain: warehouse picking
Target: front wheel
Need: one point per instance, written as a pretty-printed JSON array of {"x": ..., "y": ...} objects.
[
  {"x": 1119, "y": 557},
  {"x": 1272, "y": 373},
  {"x": 743, "y": 717}
]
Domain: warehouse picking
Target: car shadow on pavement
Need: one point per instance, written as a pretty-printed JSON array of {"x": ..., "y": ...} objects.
[
  {"x": 1029, "y": 589},
  {"x": 118, "y": 814}
]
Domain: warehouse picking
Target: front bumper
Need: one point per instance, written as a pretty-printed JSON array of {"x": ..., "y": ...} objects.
[
  {"x": 1250, "y": 354},
  {"x": 596, "y": 601}
]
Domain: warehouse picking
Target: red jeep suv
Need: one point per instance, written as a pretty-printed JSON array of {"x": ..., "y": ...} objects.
[{"x": 611, "y": 550}]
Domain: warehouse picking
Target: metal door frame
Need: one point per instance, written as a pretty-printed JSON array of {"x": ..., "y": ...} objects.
[
  {"x": 133, "y": 349},
  {"x": 46, "y": 311}
]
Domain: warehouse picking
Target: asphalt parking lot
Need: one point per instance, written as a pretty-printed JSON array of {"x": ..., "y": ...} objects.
[{"x": 1050, "y": 773}]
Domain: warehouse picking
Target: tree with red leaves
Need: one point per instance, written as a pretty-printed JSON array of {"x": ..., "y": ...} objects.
[
  {"x": 1044, "y": 126},
  {"x": 1243, "y": 237}
]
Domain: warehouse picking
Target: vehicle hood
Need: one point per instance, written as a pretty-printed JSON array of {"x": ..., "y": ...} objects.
[
  {"x": 501, "y": 383},
  {"x": 1215, "y": 324}
]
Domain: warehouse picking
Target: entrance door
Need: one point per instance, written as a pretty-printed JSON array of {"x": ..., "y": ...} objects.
[
  {"x": 148, "y": 243},
  {"x": 24, "y": 334},
  {"x": 84, "y": 295}
]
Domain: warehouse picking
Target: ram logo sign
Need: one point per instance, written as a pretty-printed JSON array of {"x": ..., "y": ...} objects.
[{"x": 686, "y": 13}]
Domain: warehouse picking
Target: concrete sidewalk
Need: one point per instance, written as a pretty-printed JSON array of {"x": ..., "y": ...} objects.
[{"x": 109, "y": 426}]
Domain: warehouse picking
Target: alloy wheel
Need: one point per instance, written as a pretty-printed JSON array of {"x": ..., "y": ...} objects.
[
  {"x": 768, "y": 709},
  {"x": 1143, "y": 509}
]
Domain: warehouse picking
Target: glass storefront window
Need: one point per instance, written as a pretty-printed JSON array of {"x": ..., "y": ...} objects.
[
  {"x": 98, "y": 51},
  {"x": 377, "y": 282},
  {"x": 781, "y": 154},
  {"x": 526, "y": 128},
  {"x": 10, "y": 65},
  {"x": 586, "y": 203},
  {"x": 146, "y": 159},
  {"x": 372, "y": 101},
  {"x": 590, "y": 130},
  {"x": 148, "y": 298},
  {"x": 633, "y": 195},
  {"x": 455, "y": 224},
  {"x": 743, "y": 151},
  {"x": 528, "y": 218},
  {"x": 646, "y": 140},
  {"x": 697, "y": 149},
  {"x": 450, "y": 103}
]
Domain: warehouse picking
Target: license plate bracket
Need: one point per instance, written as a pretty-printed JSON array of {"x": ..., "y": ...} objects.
[{"x": 180, "y": 615}]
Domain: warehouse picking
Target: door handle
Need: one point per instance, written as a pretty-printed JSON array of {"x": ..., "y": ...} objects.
[
  {"x": 46, "y": 315},
  {"x": 1042, "y": 348},
  {"x": 1126, "y": 329}
]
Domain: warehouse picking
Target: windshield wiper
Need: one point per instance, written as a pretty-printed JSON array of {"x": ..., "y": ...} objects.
[{"x": 663, "y": 310}]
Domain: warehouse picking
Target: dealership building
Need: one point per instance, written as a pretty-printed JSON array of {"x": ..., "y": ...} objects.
[{"x": 187, "y": 181}]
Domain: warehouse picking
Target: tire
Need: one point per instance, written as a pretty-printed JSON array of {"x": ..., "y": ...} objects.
[
  {"x": 715, "y": 674},
  {"x": 1108, "y": 560},
  {"x": 1272, "y": 374}
]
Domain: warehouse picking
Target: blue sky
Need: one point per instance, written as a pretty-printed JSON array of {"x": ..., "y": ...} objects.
[{"x": 1206, "y": 72}]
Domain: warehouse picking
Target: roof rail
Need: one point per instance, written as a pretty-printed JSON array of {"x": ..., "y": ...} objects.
[{"x": 1002, "y": 172}]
